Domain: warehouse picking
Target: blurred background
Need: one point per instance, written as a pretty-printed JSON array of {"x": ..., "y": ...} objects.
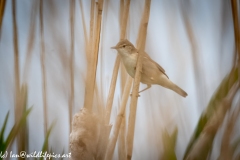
[{"x": 192, "y": 40}]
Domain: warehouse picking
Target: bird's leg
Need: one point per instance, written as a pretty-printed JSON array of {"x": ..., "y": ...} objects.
[{"x": 148, "y": 86}]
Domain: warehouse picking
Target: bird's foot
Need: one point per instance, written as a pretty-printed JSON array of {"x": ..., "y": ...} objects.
[{"x": 137, "y": 95}]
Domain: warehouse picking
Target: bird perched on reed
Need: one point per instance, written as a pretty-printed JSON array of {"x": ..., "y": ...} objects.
[{"x": 151, "y": 73}]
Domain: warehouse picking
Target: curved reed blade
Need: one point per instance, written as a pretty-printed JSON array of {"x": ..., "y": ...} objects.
[{"x": 220, "y": 93}]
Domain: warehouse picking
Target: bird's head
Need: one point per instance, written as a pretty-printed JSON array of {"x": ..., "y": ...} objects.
[{"x": 125, "y": 47}]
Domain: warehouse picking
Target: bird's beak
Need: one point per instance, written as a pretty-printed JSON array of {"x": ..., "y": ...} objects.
[{"x": 114, "y": 47}]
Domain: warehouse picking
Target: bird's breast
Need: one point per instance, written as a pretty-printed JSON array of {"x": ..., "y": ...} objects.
[{"x": 130, "y": 64}]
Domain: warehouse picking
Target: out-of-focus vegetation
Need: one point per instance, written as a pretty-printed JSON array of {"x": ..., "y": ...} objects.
[{"x": 95, "y": 130}]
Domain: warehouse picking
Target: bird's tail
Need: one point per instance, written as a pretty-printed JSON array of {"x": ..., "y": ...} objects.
[{"x": 178, "y": 90}]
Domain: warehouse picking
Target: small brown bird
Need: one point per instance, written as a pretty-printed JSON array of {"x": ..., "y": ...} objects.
[{"x": 152, "y": 72}]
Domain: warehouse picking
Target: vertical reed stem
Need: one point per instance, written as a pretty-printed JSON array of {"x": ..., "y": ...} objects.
[
  {"x": 17, "y": 98},
  {"x": 116, "y": 66},
  {"x": 93, "y": 59},
  {"x": 116, "y": 129},
  {"x": 133, "y": 106},
  {"x": 44, "y": 83},
  {"x": 31, "y": 41},
  {"x": 72, "y": 23}
]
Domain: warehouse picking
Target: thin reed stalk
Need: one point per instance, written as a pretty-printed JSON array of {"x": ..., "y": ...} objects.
[
  {"x": 91, "y": 35},
  {"x": 124, "y": 20},
  {"x": 133, "y": 105},
  {"x": 2, "y": 8},
  {"x": 122, "y": 148},
  {"x": 84, "y": 23},
  {"x": 107, "y": 130},
  {"x": 118, "y": 122},
  {"x": 124, "y": 11},
  {"x": 121, "y": 11},
  {"x": 72, "y": 23},
  {"x": 16, "y": 63},
  {"x": 93, "y": 59},
  {"x": 236, "y": 31},
  {"x": 200, "y": 150},
  {"x": 18, "y": 107},
  {"x": 43, "y": 69},
  {"x": 31, "y": 41},
  {"x": 117, "y": 63},
  {"x": 194, "y": 50}
]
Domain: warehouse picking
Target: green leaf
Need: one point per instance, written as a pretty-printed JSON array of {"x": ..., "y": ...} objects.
[
  {"x": 2, "y": 144},
  {"x": 169, "y": 144},
  {"x": 220, "y": 93},
  {"x": 45, "y": 144},
  {"x": 16, "y": 128},
  {"x": 3, "y": 128}
]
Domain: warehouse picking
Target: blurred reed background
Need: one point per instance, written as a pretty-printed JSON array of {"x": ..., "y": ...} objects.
[{"x": 56, "y": 67}]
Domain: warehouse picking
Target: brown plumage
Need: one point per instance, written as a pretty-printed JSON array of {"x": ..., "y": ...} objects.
[{"x": 152, "y": 72}]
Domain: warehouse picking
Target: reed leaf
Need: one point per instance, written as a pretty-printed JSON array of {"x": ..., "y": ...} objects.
[
  {"x": 203, "y": 145},
  {"x": 3, "y": 131},
  {"x": 43, "y": 69},
  {"x": 226, "y": 150},
  {"x": 15, "y": 129},
  {"x": 169, "y": 144},
  {"x": 235, "y": 144},
  {"x": 220, "y": 93},
  {"x": 45, "y": 144}
]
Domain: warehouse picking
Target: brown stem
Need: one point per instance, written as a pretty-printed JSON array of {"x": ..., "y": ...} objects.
[
  {"x": 44, "y": 79},
  {"x": 120, "y": 116},
  {"x": 116, "y": 66},
  {"x": 93, "y": 59},
  {"x": 71, "y": 100},
  {"x": 133, "y": 105},
  {"x": 203, "y": 144}
]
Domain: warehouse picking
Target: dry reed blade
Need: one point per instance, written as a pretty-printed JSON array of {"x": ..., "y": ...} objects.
[
  {"x": 112, "y": 91},
  {"x": 198, "y": 74},
  {"x": 122, "y": 148},
  {"x": 121, "y": 11},
  {"x": 91, "y": 35},
  {"x": 93, "y": 59},
  {"x": 120, "y": 117},
  {"x": 18, "y": 107},
  {"x": 116, "y": 66},
  {"x": 201, "y": 147},
  {"x": 124, "y": 19},
  {"x": 31, "y": 41},
  {"x": 71, "y": 63},
  {"x": 133, "y": 105},
  {"x": 43, "y": 69},
  {"x": 16, "y": 63},
  {"x": 107, "y": 129},
  {"x": 226, "y": 150},
  {"x": 84, "y": 23}
]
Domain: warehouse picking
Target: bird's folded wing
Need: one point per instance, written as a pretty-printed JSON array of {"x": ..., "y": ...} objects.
[{"x": 146, "y": 56}]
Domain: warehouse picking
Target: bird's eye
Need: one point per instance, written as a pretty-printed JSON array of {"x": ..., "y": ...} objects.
[{"x": 124, "y": 46}]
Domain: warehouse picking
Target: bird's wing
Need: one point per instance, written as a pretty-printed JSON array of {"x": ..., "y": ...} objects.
[{"x": 145, "y": 55}]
